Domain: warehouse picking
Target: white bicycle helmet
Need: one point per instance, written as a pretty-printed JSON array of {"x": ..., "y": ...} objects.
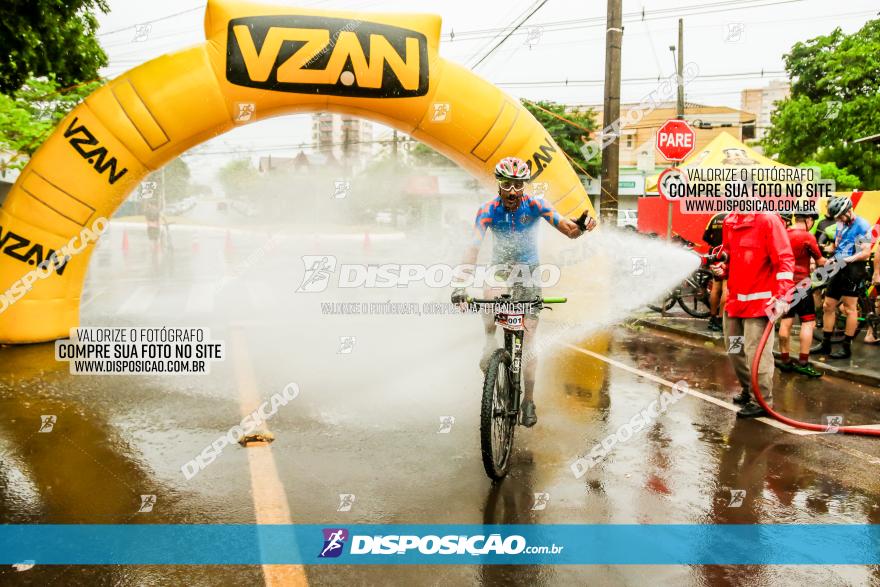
[{"x": 511, "y": 168}]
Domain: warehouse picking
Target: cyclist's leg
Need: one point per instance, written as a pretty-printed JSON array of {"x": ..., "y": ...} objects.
[
  {"x": 715, "y": 298},
  {"x": 806, "y": 337},
  {"x": 873, "y": 310},
  {"x": 785, "y": 335},
  {"x": 489, "y": 328},
  {"x": 851, "y": 309},
  {"x": 829, "y": 311},
  {"x": 530, "y": 359},
  {"x": 818, "y": 301},
  {"x": 806, "y": 311}
]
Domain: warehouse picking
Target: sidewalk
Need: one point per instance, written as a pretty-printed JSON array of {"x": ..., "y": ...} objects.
[{"x": 863, "y": 367}]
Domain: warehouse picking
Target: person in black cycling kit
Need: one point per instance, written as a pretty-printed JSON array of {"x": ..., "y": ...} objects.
[
  {"x": 513, "y": 216},
  {"x": 712, "y": 237},
  {"x": 852, "y": 247},
  {"x": 872, "y": 337}
]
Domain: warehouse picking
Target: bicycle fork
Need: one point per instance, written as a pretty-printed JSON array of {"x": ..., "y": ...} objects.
[{"x": 513, "y": 342}]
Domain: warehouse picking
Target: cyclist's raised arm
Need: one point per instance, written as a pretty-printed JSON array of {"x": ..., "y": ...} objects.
[{"x": 564, "y": 225}]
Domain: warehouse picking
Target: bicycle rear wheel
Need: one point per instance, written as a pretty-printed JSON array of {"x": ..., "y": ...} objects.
[
  {"x": 694, "y": 296},
  {"x": 497, "y": 416}
]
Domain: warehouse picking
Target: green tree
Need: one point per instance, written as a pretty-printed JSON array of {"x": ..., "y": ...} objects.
[
  {"x": 176, "y": 176},
  {"x": 238, "y": 178},
  {"x": 30, "y": 114},
  {"x": 380, "y": 187},
  {"x": 568, "y": 136},
  {"x": 42, "y": 38},
  {"x": 834, "y": 100},
  {"x": 422, "y": 154},
  {"x": 843, "y": 179}
]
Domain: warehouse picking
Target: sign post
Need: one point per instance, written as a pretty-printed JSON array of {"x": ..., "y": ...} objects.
[{"x": 676, "y": 140}]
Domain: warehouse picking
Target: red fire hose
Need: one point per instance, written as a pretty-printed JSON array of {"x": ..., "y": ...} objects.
[{"x": 797, "y": 424}]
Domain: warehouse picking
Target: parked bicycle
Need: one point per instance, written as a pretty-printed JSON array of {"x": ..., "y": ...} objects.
[{"x": 692, "y": 294}]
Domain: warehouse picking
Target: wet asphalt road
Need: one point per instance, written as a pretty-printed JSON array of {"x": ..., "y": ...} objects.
[{"x": 368, "y": 423}]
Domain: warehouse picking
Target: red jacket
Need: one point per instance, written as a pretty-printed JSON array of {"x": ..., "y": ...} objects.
[{"x": 760, "y": 263}]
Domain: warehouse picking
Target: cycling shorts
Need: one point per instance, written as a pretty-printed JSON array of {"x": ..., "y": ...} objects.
[
  {"x": 846, "y": 282},
  {"x": 805, "y": 309}
]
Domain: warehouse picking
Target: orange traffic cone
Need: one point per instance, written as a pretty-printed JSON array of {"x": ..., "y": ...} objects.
[
  {"x": 125, "y": 241},
  {"x": 367, "y": 241},
  {"x": 195, "y": 242},
  {"x": 228, "y": 245}
]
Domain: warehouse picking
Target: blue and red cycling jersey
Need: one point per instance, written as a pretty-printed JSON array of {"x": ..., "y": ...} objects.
[{"x": 516, "y": 237}]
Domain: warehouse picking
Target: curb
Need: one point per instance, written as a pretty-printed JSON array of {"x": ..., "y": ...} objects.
[{"x": 828, "y": 368}]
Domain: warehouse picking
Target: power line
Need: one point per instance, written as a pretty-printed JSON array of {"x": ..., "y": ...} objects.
[
  {"x": 495, "y": 36},
  {"x": 633, "y": 33},
  {"x": 515, "y": 28},
  {"x": 637, "y": 80},
  {"x": 158, "y": 19},
  {"x": 660, "y": 14}
]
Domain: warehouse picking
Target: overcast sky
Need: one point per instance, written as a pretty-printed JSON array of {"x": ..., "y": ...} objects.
[{"x": 564, "y": 40}]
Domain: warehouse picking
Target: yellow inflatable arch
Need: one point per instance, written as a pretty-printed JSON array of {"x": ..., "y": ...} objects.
[{"x": 264, "y": 61}]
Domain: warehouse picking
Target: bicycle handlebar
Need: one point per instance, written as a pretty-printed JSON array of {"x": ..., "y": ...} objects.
[{"x": 551, "y": 300}]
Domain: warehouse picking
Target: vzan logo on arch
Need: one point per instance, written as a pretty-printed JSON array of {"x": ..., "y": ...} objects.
[{"x": 321, "y": 55}]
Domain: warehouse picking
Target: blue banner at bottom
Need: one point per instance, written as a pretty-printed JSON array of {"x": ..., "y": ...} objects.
[{"x": 383, "y": 544}]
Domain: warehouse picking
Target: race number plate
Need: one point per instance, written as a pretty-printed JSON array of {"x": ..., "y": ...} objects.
[{"x": 510, "y": 321}]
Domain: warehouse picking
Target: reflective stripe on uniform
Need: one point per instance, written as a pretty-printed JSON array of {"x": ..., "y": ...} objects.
[
  {"x": 760, "y": 295},
  {"x": 785, "y": 275}
]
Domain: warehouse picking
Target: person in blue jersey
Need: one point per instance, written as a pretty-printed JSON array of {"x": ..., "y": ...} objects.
[
  {"x": 513, "y": 217},
  {"x": 852, "y": 247}
]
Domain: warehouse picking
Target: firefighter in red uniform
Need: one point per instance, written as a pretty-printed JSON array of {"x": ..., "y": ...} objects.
[{"x": 760, "y": 280}]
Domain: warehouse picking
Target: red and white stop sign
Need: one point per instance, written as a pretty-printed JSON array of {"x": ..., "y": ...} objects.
[{"x": 676, "y": 139}]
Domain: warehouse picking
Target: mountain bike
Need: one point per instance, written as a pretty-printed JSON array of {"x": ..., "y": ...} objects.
[
  {"x": 692, "y": 295},
  {"x": 502, "y": 387}
]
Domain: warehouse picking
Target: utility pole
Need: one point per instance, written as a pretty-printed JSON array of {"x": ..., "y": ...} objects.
[
  {"x": 611, "y": 113},
  {"x": 679, "y": 70},
  {"x": 679, "y": 106},
  {"x": 394, "y": 144}
]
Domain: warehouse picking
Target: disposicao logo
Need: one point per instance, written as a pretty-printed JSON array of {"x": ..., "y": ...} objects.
[{"x": 334, "y": 541}]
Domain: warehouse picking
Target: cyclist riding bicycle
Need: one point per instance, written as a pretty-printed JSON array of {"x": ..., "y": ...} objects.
[{"x": 513, "y": 218}]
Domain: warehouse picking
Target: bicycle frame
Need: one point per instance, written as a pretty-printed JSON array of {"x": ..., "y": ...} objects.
[
  {"x": 500, "y": 404},
  {"x": 513, "y": 343}
]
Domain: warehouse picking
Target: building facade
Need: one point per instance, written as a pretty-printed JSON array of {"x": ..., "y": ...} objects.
[
  {"x": 638, "y": 137},
  {"x": 762, "y": 101},
  {"x": 343, "y": 136}
]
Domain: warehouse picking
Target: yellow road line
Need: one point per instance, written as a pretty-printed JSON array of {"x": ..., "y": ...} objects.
[{"x": 270, "y": 499}]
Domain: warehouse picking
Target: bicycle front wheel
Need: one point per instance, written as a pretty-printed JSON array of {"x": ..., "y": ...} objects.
[{"x": 497, "y": 416}]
